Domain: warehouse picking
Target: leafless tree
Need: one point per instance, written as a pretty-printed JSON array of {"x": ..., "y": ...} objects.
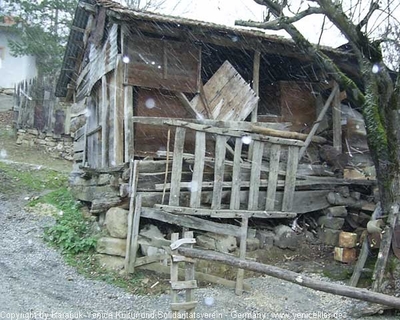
[{"x": 367, "y": 30}]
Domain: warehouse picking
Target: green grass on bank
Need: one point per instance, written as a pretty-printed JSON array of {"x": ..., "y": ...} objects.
[{"x": 16, "y": 178}]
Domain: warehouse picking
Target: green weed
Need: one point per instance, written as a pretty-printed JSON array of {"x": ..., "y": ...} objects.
[{"x": 71, "y": 233}]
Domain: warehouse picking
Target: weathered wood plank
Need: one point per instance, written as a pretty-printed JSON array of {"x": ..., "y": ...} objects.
[
  {"x": 242, "y": 254},
  {"x": 230, "y": 124},
  {"x": 337, "y": 122},
  {"x": 236, "y": 183},
  {"x": 190, "y": 276},
  {"x": 187, "y": 284},
  {"x": 275, "y": 151},
  {"x": 287, "y": 275},
  {"x": 232, "y": 133},
  {"x": 219, "y": 167},
  {"x": 128, "y": 124},
  {"x": 177, "y": 166},
  {"x": 190, "y": 222},
  {"x": 104, "y": 122},
  {"x": 183, "y": 306},
  {"x": 304, "y": 201},
  {"x": 256, "y": 82},
  {"x": 118, "y": 113},
  {"x": 257, "y": 154},
  {"x": 290, "y": 180},
  {"x": 224, "y": 213},
  {"x": 150, "y": 259},
  {"x": 134, "y": 246},
  {"x": 197, "y": 177},
  {"x": 174, "y": 277}
]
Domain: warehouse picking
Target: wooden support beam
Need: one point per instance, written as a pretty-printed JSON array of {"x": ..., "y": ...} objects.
[
  {"x": 319, "y": 119},
  {"x": 337, "y": 122},
  {"x": 225, "y": 213},
  {"x": 362, "y": 258},
  {"x": 355, "y": 293},
  {"x": 118, "y": 96},
  {"x": 128, "y": 124}
]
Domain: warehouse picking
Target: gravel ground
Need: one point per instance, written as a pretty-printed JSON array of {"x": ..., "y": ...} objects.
[{"x": 36, "y": 283}]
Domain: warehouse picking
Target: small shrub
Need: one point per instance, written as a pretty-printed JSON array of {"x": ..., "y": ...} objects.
[{"x": 71, "y": 233}]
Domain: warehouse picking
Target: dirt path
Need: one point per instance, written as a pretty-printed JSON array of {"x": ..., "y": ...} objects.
[{"x": 35, "y": 282}]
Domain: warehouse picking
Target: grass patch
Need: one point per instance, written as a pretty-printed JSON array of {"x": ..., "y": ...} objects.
[
  {"x": 33, "y": 178},
  {"x": 73, "y": 235}
]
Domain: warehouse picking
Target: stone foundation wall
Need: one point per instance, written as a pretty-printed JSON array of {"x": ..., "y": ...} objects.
[{"x": 56, "y": 146}]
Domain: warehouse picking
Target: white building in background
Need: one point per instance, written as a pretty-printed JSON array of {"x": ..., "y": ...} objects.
[{"x": 13, "y": 69}]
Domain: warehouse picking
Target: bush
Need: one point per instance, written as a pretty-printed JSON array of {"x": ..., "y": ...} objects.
[{"x": 71, "y": 233}]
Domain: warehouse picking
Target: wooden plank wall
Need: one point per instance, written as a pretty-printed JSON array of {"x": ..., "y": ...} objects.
[
  {"x": 36, "y": 106},
  {"x": 162, "y": 64},
  {"x": 101, "y": 60}
]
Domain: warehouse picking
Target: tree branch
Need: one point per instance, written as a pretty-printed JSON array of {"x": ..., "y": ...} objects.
[
  {"x": 374, "y": 6},
  {"x": 278, "y": 23}
]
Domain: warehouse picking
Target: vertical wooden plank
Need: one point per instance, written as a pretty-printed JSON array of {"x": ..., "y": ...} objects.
[
  {"x": 104, "y": 122},
  {"x": 256, "y": 157},
  {"x": 235, "y": 192},
  {"x": 256, "y": 82},
  {"x": 275, "y": 152},
  {"x": 118, "y": 113},
  {"x": 189, "y": 275},
  {"x": 174, "y": 277},
  {"x": 84, "y": 154},
  {"x": 132, "y": 194},
  {"x": 336, "y": 122},
  {"x": 219, "y": 166},
  {"x": 134, "y": 246},
  {"x": 242, "y": 254},
  {"x": 197, "y": 177},
  {"x": 290, "y": 180},
  {"x": 128, "y": 123},
  {"x": 177, "y": 166}
]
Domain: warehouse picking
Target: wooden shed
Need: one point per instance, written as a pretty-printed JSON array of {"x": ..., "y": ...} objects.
[{"x": 184, "y": 121}]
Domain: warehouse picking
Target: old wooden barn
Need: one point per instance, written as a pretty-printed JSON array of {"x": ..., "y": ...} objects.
[{"x": 198, "y": 125}]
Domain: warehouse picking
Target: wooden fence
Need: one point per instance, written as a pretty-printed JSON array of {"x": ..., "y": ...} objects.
[
  {"x": 258, "y": 178},
  {"x": 36, "y": 107}
]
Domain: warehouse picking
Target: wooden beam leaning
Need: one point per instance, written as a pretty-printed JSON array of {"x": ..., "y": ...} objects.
[
  {"x": 319, "y": 119},
  {"x": 337, "y": 122},
  {"x": 134, "y": 245},
  {"x": 177, "y": 166},
  {"x": 355, "y": 293},
  {"x": 105, "y": 128},
  {"x": 256, "y": 82}
]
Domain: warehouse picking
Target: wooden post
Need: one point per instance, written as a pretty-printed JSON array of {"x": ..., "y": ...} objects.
[
  {"x": 118, "y": 113},
  {"x": 128, "y": 124},
  {"x": 104, "y": 122},
  {"x": 256, "y": 82},
  {"x": 242, "y": 255},
  {"x": 336, "y": 122}
]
